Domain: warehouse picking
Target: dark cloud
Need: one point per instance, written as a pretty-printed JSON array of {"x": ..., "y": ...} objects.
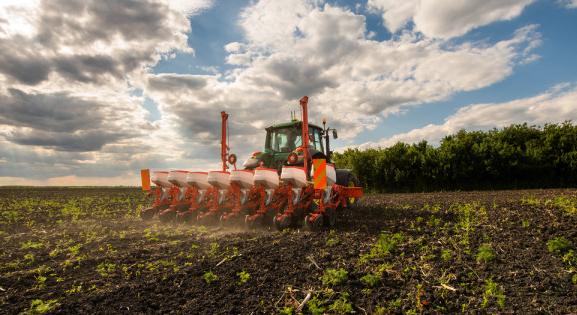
[
  {"x": 21, "y": 65},
  {"x": 49, "y": 112},
  {"x": 176, "y": 82},
  {"x": 82, "y": 141},
  {"x": 87, "y": 68},
  {"x": 293, "y": 78},
  {"x": 141, "y": 26},
  {"x": 102, "y": 20}
]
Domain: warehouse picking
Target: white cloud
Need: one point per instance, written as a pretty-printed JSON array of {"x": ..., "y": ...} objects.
[
  {"x": 67, "y": 106},
  {"x": 554, "y": 106},
  {"x": 101, "y": 52},
  {"x": 446, "y": 18},
  {"x": 569, "y": 4},
  {"x": 190, "y": 7}
]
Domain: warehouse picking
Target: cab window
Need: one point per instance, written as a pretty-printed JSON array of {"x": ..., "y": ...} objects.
[
  {"x": 284, "y": 140},
  {"x": 316, "y": 139}
]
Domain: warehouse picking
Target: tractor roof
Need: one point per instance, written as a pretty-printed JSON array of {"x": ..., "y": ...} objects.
[{"x": 291, "y": 124}]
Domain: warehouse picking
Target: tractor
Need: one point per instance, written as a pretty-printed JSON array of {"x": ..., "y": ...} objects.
[{"x": 292, "y": 182}]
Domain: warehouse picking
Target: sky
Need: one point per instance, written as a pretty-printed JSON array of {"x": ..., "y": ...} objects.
[{"x": 92, "y": 91}]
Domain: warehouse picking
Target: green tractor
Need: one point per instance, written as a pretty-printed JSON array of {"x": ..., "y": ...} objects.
[{"x": 283, "y": 146}]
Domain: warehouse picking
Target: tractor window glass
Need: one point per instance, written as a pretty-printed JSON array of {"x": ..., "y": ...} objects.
[
  {"x": 318, "y": 140},
  {"x": 315, "y": 139},
  {"x": 284, "y": 140}
]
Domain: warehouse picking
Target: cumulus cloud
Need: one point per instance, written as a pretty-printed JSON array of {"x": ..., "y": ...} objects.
[
  {"x": 570, "y": 4},
  {"x": 446, "y": 18},
  {"x": 70, "y": 71},
  {"x": 328, "y": 55},
  {"x": 67, "y": 74},
  {"x": 554, "y": 106},
  {"x": 94, "y": 42}
]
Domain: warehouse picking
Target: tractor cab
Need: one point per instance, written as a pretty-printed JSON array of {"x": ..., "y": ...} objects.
[{"x": 281, "y": 141}]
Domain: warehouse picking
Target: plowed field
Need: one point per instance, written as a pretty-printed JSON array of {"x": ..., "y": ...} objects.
[{"x": 85, "y": 250}]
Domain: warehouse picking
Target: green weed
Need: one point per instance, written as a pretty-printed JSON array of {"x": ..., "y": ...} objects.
[
  {"x": 209, "y": 277},
  {"x": 31, "y": 245},
  {"x": 558, "y": 245},
  {"x": 342, "y": 305},
  {"x": 371, "y": 279},
  {"x": 40, "y": 307},
  {"x": 74, "y": 289},
  {"x": 243, "y": 277},
  {"x": 492, "y": 291},
  {"x": 386, "y": 244},
  {"x": 106, "y": 269},
  {"x": 332, "y": 277},
  {"x": 567, "y": 204},
  {"x": 485, "y": 254},
  {"x": 315, "y": 306},
  {"x": 446, "y": 255},
  {"x": 332, "y": 239},
  {"x": 213, "y": 249}
]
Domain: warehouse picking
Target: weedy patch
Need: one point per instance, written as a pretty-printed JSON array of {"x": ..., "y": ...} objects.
[
  {"x": 243, "y": 277},
  {"x": 469, "y": 215},
  {"x": 331, "y": 302},
  {"x": 558, "y": 245},
  {"x": 40, "y": 307},
  {"x": 106, "y": 269},
  {"x": 31, "y": 245},
  {"x": 209, "y": 277},
  {"x": 384, "y": 246},
  {"x": 446, "y": 255},
  {"x": 531, "y": 201},
  {"x": 371, "y": 279},
  {"x": 491, "y": 292},
  {"x": 485, "y": 254},
  {"x": 333, "y": 277},
  {"x": 332, "y": 239},
  {"x": 565, "y": 203}
]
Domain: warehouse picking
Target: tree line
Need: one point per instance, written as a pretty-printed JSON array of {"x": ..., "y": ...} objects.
[{"x": 518, "y": 156}]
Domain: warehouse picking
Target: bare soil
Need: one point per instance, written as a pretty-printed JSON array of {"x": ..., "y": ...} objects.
[{"x": 84, "y": 250}]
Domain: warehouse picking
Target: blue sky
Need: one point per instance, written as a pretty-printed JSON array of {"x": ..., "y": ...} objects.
[
  {"x": 92, "y": 101},
  {"x": 217, "y": 26}
]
